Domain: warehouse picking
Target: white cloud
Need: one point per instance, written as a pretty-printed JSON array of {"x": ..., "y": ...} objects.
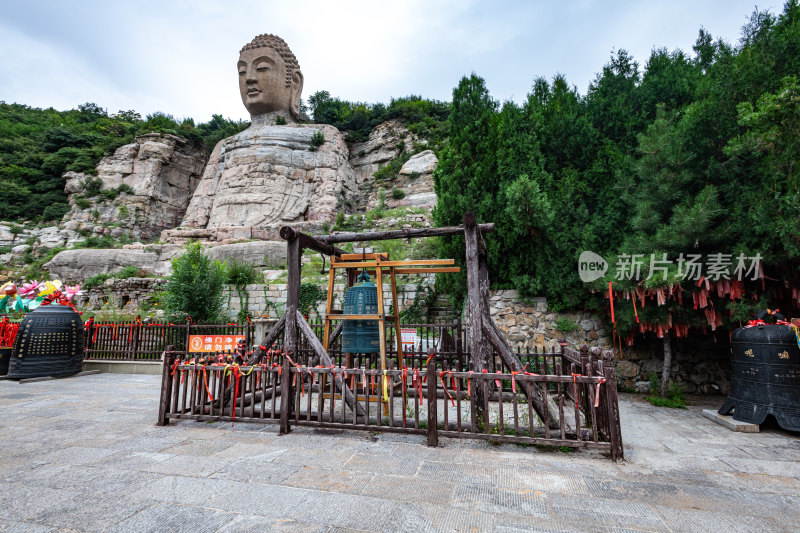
[{"x": 179, "y": 57}]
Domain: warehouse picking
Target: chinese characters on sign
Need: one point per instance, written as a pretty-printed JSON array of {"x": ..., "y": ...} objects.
[
  {"x": 213, "y": 343},
  {"x": 408, "y": 337},
  {"x": 689, "y": 267}
]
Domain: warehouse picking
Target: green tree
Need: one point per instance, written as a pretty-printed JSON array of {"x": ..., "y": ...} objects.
[
  {"x": 465, "y": 179},
  {"x": 194, "y": 288}
]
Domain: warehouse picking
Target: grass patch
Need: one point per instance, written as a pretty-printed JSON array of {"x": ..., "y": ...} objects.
[{"x": 674, "y": 398}]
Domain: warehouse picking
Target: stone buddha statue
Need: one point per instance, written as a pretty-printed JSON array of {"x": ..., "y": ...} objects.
[
  {"x": 271, "y": 174},
  {"x": 270, "y": 80}
]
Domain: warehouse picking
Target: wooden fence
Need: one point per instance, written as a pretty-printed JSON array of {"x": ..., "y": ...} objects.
[
  {"x": 137, "y": 341},
  {"x": 580, "y": 404}
]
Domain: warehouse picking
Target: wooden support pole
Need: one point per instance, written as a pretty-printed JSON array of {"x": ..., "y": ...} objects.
[
  {"x": 479, "y": 347},
  {"x": 293, "y": 253},
  {"x": 409, "y": 233},
  {"x": 268, "y": 340},
  {"x": 307, "y": 241},
  {"x": 433, "y": 436},
  {"x": 617, "y": 450},
  {"x": 286, "y": 397},
  {"x": 396, "y": 308},
  {"x": 515, "y": 364},
  {"x": 166, "y": 387},
  {"x": 335, "y": 334},
  {"x": 325, "y": 360},
  {"x": 328, "y": 310}
]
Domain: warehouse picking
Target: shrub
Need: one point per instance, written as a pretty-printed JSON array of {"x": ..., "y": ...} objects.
[
  {"x": 240, "y": 274},
  {"x": 95, "y": 281},
  {"x": 565, "y": 325},
  {"x": 674, "y": 398},
  {"x": 91, "y": 186},
  {"x": 280, "y": 121},
  {"x": 194, "y": 288},
  {"x": 310, "y": 295},
  {"x": 397, "y": 193},
  {"x": 83, "y": 203},
  {"x": 339, "y": 222},
  {"x": 318, "y": 139}
]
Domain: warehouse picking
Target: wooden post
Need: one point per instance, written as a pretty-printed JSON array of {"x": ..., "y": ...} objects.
[
  {"x": 395, "y": 306},
  {"x": 479, "y": 348},
  {"x": 293, "y": 254},
  {"x": 328, "y": 308},
  {"x": 286, "y": 396},
  {"x": 135, "y": 344},
  {"x": 433, "y": 435},
  {"x": 617, "y": 450},
  {"x": 166, "y": 387}
]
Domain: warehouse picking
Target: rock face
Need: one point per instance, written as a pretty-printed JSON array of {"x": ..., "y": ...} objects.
[
  {"x": 268, "y": 175},
  {"x": 258, "y": 253},
  {"x": 162, "y": 172},
  {"x": 78, "y": 265},
  {"x": 387, "y": 142}
]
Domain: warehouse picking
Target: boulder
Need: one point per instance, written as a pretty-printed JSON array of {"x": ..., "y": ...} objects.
[
  {"x": 258, "y": 253},
  {"x": 81, "y": 264},
  {"x": 421, "y": 163}
]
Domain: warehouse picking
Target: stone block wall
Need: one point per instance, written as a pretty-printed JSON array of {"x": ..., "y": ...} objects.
[
  {"x": 128, "y": 293},
  {"x": 699, "y": 364},
  {"x": 529, "y": 326},
  {"x": 264, "y": 299}
]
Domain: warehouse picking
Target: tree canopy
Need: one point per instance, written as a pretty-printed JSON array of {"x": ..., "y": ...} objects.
[
  {"x": 38, "y": 145},
  {"x": 687, "y": 156}
]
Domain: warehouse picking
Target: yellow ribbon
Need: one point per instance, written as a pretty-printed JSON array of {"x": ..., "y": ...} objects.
[{"x": 385, "y": 387}]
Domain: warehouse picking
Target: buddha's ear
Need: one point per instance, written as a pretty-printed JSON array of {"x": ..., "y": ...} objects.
[{"x": 297, "y": 89}]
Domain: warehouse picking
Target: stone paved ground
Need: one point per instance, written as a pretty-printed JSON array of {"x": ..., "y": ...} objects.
[{"x": 84, "y": 454}]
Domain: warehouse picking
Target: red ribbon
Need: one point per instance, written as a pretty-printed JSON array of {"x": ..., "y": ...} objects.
[{"x": 441, "y": 374}]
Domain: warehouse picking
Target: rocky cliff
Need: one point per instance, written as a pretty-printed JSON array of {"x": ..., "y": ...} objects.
[{"x": 144, "y": 188}]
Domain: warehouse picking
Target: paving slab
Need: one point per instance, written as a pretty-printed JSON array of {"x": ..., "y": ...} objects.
[
  {"x": 731, "y": 423},
  {"x": 84, "y": 454}
]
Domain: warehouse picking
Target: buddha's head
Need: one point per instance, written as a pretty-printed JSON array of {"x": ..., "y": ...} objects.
[{"x": 269, "y": 77}]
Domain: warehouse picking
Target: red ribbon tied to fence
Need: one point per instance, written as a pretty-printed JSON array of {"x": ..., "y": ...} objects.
[
  {"x": 597, "y": 392},
  {"x": 514, "y": 378},
  {"x": 575, "y": 386},
  {"x": 444, "y": 385}
]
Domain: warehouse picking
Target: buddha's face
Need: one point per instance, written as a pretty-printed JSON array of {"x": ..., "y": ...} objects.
[{"x": 262, "y": 82}]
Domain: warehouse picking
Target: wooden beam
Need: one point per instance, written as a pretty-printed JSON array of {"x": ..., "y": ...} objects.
[
  {"x": 396, "y": 308},
  {"x": 375, "y": 264},
  {"x": 325, "y": 359},
  {"x": 514, "y": 363},
  {"x": 435, "y": 270},
  {"x": 356, "y": 257},
  {"x": 355, "y": 317},
  {"x": 336, "y": 332},
  {"x": 307, "y": 241},
  {"x": 410, "y": 233},
  {"x": 328, "y": 308}
]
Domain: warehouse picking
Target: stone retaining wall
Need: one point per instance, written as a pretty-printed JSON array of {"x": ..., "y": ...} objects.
[
  {"x": 700, "y": 364},
  {"x": 271, "y": 299},
  {"x": 130, "y": 293},
  {"x": 528, "y": 325}
]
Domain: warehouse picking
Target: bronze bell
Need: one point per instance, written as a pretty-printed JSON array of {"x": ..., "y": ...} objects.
[{"x": 49, "y": 343}]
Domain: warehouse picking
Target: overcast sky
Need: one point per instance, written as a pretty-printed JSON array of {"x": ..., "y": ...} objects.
[{"x": 180, "y": 57}]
